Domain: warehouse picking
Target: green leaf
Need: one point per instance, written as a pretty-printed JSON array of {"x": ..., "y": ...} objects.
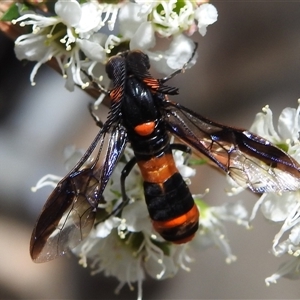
[
  {"x": 11, "y": 14},
  {"x": 197, "y": 162}
]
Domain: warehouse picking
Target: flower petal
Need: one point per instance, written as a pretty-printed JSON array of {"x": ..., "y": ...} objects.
[
  {"x": 90, "y": 18},
  {"x": 143, "y": 38},
  {"x": 130, "y": 20},
  {"x": 180, "y": 52},
  {"x": 288, "y": 125},
  {"x": 69, "y": 11},
  {"x": 206, "y": 14},
  {"x": 92, "y": 50},
  {"x": 137, "y": 217},
  {"x": 276, "y": 207}
]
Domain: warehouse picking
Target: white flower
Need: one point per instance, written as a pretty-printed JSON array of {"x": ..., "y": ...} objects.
[
  {"x": 143, "y": 38},
  {"x": 105, "y": 228},
  {"x": 180, "y": 51},
  {"x": 212, "y": 230},
  {"x": 288, "y": 127},
  {"x": 130, "y": 19},
  {"x": 142, "y": 22},
  {"x": 114, "y": 257},
  {"x": 64, "y": 37},
  {"x": 283, "y": 208},
  {"x": 206, "y": 14},
  {"x": 74, "y": 39},
  {"x": 289, "y": 269},
  {"x": 170, "y": 18},
  {"x": 126, "y": 248},
  {"x": 280, "y": 207},
  {"x": 136, "y": 218}
]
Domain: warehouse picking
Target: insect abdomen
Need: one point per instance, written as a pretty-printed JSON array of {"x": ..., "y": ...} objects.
[{"x": 170, "y": 204}]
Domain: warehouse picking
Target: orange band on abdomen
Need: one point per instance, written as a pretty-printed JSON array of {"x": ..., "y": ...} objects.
[
  {"x": 158, "y": 169},
  {"x": 192, "y": 216},
  {"x": 185, "y": 226}
]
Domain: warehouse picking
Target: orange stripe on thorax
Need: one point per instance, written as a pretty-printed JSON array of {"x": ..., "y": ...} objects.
[
  {"x": 116, "y": 94},
  {"x": 152, "y": 83},
  {"x": 158, "y": 169},
  {"x": 145, "y": 128}
]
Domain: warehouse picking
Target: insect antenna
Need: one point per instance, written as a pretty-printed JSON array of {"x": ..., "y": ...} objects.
[
  {"x": 182, "y": 70},
  {"x": 172, "y": 90}
]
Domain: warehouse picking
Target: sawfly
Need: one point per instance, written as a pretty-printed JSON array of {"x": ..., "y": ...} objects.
[{"x": 142, "y": 114}]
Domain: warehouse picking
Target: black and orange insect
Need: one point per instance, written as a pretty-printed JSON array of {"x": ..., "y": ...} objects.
[{"x": 142, "y": 114}]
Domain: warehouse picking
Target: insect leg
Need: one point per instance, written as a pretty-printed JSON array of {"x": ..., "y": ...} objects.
[
  {"x": 98, "y": 122},
  {"x": 125, "y": 172},
  {"x": 125, "y": 199}
]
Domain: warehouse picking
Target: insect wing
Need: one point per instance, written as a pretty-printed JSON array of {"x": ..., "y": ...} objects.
[
  {"x": 66, "y": 219},
  {"x": 250, "y": 160},
  {"x": 69, "y": 213}
]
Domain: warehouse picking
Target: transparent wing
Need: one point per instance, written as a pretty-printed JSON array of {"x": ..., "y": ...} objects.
[
  {"x": 69, "y": 213},
  {"x": 249, "y": 159}
]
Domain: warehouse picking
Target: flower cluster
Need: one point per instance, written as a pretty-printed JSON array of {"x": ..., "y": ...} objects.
[
  {"x": 127, "y": 247},
  {"x": 81, "y": 35},
  {"x": 283, "y": 208}
]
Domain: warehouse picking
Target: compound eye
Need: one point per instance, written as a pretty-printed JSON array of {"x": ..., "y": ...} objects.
[
  {"x": 115, "y": 67},
  {"x": 137, "y": 60}
]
